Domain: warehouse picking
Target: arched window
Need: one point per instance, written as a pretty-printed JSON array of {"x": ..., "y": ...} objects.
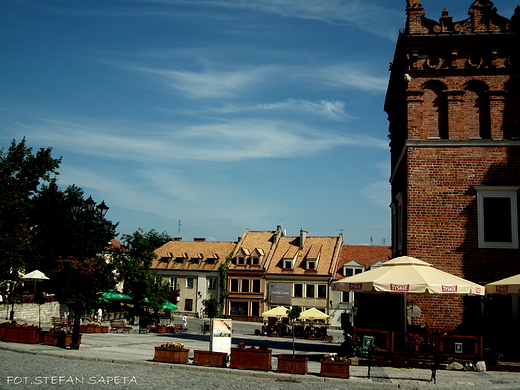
[
  {"x": 476, "y": 110},
  {"x": 435, "y": 110}
]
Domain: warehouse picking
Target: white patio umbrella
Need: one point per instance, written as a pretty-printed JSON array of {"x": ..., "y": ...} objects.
[
  {"x": 404, "y": 275},
  {"x": 507, "y": 286},
  {"x": 35, "y": 276}
]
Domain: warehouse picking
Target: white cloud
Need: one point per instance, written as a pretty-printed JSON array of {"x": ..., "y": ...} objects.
[
  {"x": 378, "y": 193},
  {"x": 351, "y": 76},
  {"x": 364, "y": 15},
  {"x": 333, "y": 110},
  {"x": 206, "y": 83}
]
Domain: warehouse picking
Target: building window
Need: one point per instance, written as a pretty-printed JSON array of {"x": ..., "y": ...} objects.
[
  {"x": 255, "y": 260},
  {"x": 298, "y": 290},
  {"x": 287, "y": 264},
  {"x": 234, "y": 285},
  {"x": 245, "y": 285},
  {"x": 212, "y": 283},
  {"x": 322, "y": 291},
  {"x": 497, "y": 217},
  {"x": 173, "y": 283},
  {"x": 397, "y": 224},
  {"x": 188, "y": 304},
  {"x": 241, "y": 260},
  {"x": 189, "y": 282},
  {"x": 345, "y": 296},
  {"x": 311, "y": 264},
  {"x": 238, "y": 308},
  {"x": 256, "y": 285},
  {"x": 309, "y": 290}
]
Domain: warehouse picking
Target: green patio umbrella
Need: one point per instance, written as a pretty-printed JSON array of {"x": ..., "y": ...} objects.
[
  {"x": 114, "y": 295},
  {"x": 167, "y": 305}
]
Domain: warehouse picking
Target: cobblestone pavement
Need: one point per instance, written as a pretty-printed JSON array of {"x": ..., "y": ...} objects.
[{"x": 123, "y": 361}]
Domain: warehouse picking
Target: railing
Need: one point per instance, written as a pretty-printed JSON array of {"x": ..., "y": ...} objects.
[{"x": 443, "y": 344}]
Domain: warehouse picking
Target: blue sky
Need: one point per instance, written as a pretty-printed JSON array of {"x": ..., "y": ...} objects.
[{"x": 223, "y": 114}]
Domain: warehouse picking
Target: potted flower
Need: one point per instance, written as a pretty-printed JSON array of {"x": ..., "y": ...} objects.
[
  {"x": 414, "y": 341},
  {"x": 58, "y": 337},
  {"x": 24, "y": 333},
  {"x": 334, "y": 365},
  {"x": 170, "y": 352}
]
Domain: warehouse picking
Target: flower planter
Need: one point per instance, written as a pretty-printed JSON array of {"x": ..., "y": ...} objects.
[
  {"x": 58, "y": 340},
  {"x": 2, "y": 332},
  {"x": 251, "y": 359},
  {"x": 162, "y": 329},
  {"x": 87, "y": 328},
  {"x": 101, "y": 329},
  {"x": 17, "y": 334},
  {"x": 171, "y": 355},
  {"x": 336, "y": 369},
  {"x": 292, "y": 365},
  {"x": 210, "y": 358}
]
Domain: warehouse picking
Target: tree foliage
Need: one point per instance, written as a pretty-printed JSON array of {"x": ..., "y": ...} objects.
[
  {"x": 142, "y": 245},
  {"x": 21, "y": 173}
]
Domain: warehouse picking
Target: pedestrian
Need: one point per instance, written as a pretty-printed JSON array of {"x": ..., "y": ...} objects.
[
  {"x": 99, "y": 315},
  {"x": 201, "y": 314},
  {"x": 185, "y": 321}
]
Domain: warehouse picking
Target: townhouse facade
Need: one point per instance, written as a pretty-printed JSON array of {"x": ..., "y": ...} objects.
[
  {"x": 454, "y": 122},
  {"x": 191, "y": 268},
  {"x": 264, "y": 269}
]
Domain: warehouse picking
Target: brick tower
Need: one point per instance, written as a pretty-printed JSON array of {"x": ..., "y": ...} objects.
[{"x": 453, "y": 103}]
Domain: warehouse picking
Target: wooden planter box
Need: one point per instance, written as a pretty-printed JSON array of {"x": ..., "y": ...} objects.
[
  {"x": 88, "y": 328},
  {"x": 162, "y": 329},
  {"x": 58, "y": 340},
  {"x": 2, "y": 332},
  {"x": 336, "y": 369},
  {"x": 292, "y": 365},
  {"x": 22, "y": 335},
  {"x": 101, "y": 329},
  {"x": 171, "y": 355},
  {"x": 251, "y": 359},
  {"x": 210, "y": 358}
]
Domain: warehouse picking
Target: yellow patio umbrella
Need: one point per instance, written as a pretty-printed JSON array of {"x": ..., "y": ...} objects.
[
  {"x": 313, "y": 314},
  {"x": 278, "y": 312},
  {"x": 507, "y": 286}
]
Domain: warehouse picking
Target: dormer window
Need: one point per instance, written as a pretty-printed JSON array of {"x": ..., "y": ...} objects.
[
  {"x": 288, "y": 263},
  {"x": 311, "y": 265},
  {"x": 352, "y": 268},
  {"x": 255, "y": 260},
  {"x": 241, "y": 260}
]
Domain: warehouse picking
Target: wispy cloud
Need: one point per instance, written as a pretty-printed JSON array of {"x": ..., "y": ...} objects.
[
  {"x": 206, "y": 83},
  {"x": 333, "y": 110},
  {"x": 364, "y": 15},
  {"x": 351, "y": 76},
  {"x": 227, "y": 140}
]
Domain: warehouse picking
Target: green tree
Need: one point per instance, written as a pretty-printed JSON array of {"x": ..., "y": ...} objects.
[
  {"x": 142, "y": 245},
  {"x": 293, "y": 315},
  {"x": 21, "y": 173},
  {"x": 62, "y": 226},
  {"x": 80, "y": 281}
]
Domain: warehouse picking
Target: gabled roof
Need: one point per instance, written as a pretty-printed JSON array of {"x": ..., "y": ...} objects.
[
  {"x": 192, "y": 255},
  {"x": 254, "y": 242},
  {"x": 364, "y": 254},
  {"x": 323, "y": 249}
]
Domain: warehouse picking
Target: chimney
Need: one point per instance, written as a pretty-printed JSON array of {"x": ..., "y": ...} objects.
[
  {"x": 199, "y": 239},
  {"x": 177, "y": 238},
  {"x": 303, "y": 236},
  {"x": 277, "y": 234}
]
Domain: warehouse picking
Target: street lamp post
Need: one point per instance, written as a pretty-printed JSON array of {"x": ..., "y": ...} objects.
[{"x": 88, "y": 208}]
